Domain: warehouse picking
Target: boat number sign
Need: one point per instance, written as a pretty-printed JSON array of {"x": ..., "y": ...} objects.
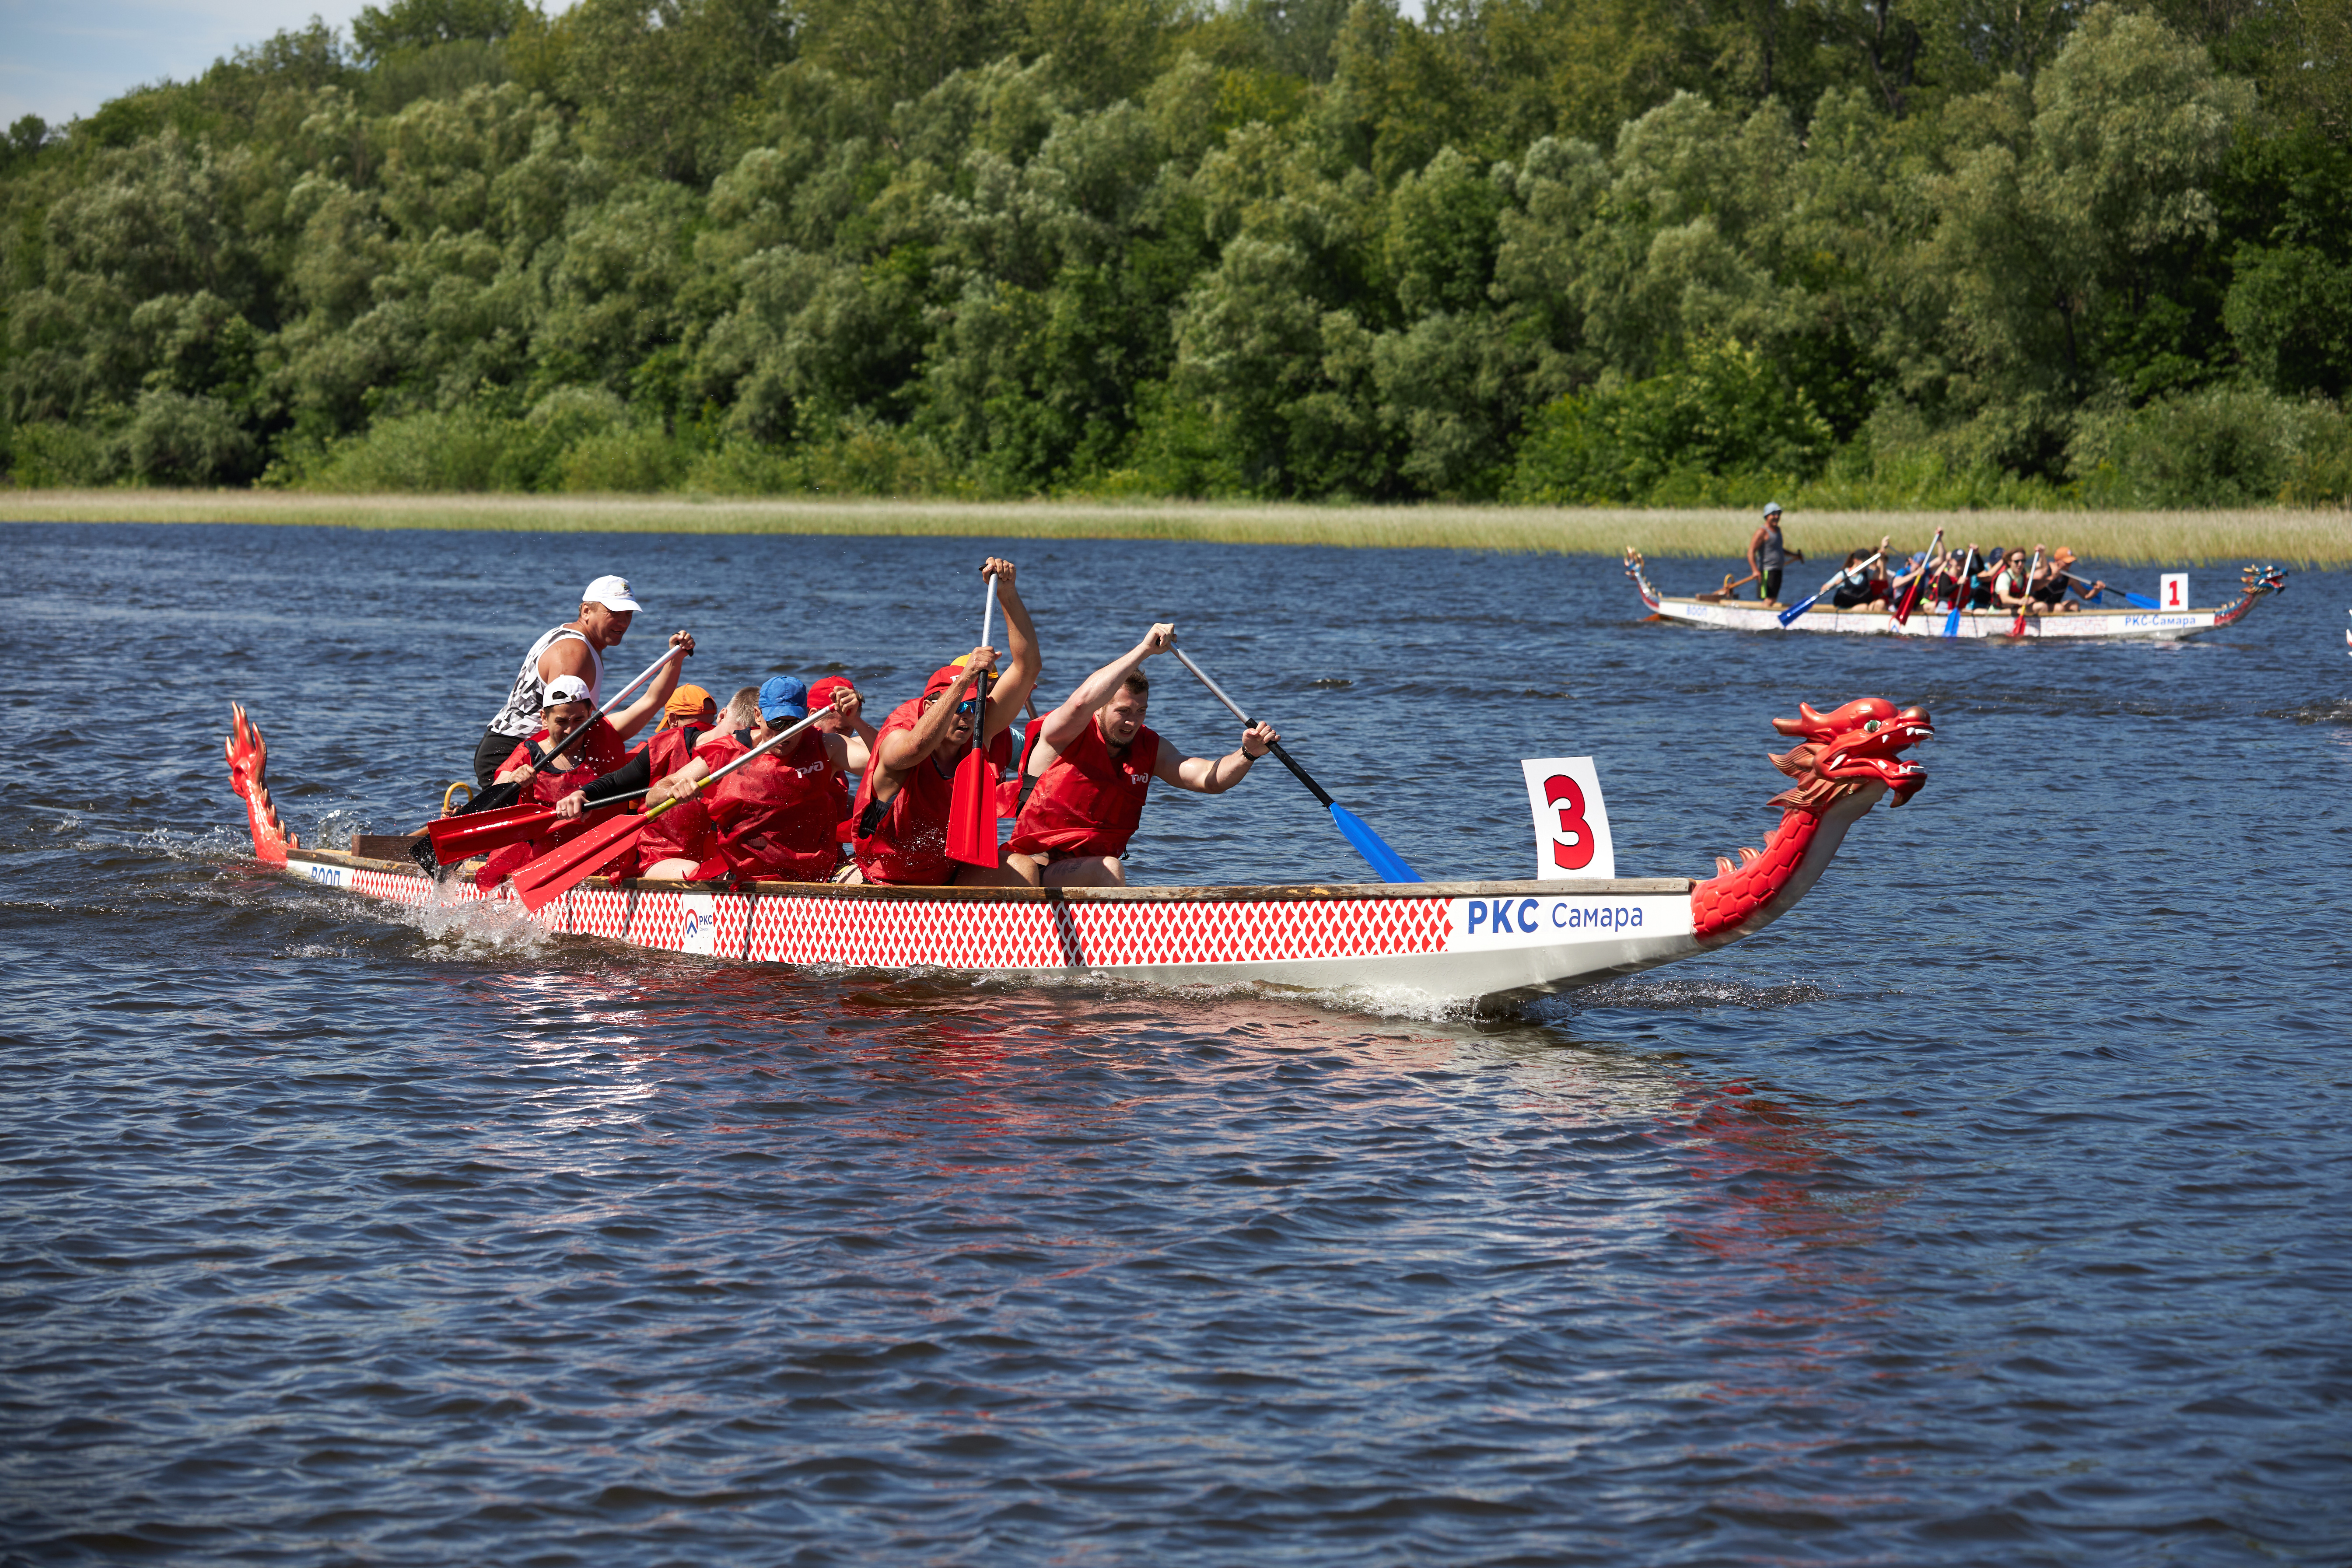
[
  {"x": 1571, "y": 820},
  {"x": 2172, "y": 591}
]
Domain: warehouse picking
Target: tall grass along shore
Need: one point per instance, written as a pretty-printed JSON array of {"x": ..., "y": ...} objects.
[{"x": 2310, "y": 538}]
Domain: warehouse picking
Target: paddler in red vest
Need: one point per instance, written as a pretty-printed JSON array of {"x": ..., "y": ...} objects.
[
  {"x": 857, "y": 735},
  {"x": 901, "y": 808},
  {"x": 576, "y": 649},
  {"x": 600, "y": 751},
  {"x": 1093, "y": 762},
  {"x": 771, "y": 820}
]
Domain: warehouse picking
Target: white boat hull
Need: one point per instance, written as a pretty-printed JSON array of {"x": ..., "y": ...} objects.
[
  {"x": 2095, "y": 624},
  {"x": 1460, "y": 941}
]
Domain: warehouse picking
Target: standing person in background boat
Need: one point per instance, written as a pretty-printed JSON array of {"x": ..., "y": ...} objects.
[
  {"x": 901, "y": 807},
  {"x": 1769, "y": 555},
  {"x": 1094, "y": 761},
  {"x": 575, "y": 648}
]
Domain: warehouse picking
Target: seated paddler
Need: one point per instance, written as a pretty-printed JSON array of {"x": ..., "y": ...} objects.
[
  {"x": 595, "y": 753},
  {"x": 900, "y": 812},
  {"x": 770, "y": 820},
  {"x": 1093, "y": 760}
]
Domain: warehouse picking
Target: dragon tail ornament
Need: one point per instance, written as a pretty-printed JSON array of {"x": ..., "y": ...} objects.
[
  {"x": 1845, "y": 761},
  {"x": 248, "y": 767}
]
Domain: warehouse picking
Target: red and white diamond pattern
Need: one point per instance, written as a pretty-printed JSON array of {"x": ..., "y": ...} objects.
[
  {"x": 896, "y": 934},
  {"x": 904, "y": 933}
]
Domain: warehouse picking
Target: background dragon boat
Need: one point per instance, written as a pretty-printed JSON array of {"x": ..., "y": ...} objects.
[
  {"x": 2122, "y": 622},
  {"x": 1477, "y": 941}
]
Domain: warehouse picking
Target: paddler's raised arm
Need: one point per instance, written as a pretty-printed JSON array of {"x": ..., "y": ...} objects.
[
  {"x": 899, "y": 749},
  {"x": 630, "y": 719},
  {"x": 1077, "y": 709},
  {"x": 1019, "y": 677}
]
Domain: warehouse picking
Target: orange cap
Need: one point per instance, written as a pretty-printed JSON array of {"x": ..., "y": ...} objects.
[{"x": 687, "y": 702}]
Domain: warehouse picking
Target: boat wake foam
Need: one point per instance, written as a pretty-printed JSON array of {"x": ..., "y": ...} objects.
[{"x": 1692, "y": 995}]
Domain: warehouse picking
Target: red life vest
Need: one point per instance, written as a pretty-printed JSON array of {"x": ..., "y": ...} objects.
[
  {"x": 909, "y": 844},
  {"x": 603, "y": 751},
  {"x": 775, "y": 816},
  {"x": 1089, "y": 801},
  {"x": 684, "y": 831}
]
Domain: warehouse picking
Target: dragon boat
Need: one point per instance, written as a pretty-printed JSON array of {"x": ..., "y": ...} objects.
[
  {"x": 1717, "y": 609},
  {"x": 1465, "y": 941}
]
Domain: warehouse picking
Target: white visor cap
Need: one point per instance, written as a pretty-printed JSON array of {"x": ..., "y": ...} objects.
[
  {"x": 613, "y": 592},
  {"x": 566, "y": 689}
]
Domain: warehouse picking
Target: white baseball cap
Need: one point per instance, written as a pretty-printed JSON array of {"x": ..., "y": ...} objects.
[
  {"x": 566, "y": 689},
  {"x": 613, "y": 592}
]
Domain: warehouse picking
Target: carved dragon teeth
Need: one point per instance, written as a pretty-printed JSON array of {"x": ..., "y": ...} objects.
[{"x": 1840, "y": 752}]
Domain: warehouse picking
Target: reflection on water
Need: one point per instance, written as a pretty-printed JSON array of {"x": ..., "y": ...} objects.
[{"x": 1985, "y": 1209}]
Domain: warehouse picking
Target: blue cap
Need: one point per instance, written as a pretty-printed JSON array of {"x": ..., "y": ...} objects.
[{"x": 782, "y": 697}]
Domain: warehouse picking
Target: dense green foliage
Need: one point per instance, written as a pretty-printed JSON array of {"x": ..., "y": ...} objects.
[{"x": 1878, "y": 251}]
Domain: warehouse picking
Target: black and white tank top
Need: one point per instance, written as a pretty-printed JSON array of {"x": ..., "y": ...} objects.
[{"x": 520, "y": 717}]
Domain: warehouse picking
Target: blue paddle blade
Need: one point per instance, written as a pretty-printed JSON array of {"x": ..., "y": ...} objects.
[
  {"x": 1368, "y": 843},
  {"x": 1952, "y": 621}
]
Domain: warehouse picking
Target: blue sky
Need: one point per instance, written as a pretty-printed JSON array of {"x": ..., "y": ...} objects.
[{"x": 60, "y": 61}]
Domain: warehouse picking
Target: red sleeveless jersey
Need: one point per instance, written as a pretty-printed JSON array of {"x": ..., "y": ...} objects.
[
  {"x": 775, "y": 816},
  {"x": 910, "y": 845},
  {"x": 1089, "y": 801},
  {"x": 684, "y": 831}
]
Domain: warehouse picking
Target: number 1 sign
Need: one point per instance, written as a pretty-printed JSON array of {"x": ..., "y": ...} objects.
[
  {"x": 2172, "y": 591},
  {"x": 1571, "y": 822}
]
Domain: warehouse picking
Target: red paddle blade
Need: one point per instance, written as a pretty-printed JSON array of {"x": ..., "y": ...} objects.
[
  {"x": 555, "y": 873},
  {"x": 456, "y": 838},
  {"x": 972, "y": 812}
]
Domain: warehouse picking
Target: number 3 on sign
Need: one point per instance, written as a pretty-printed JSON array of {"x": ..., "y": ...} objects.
[{"x": 1571, "y": 820}]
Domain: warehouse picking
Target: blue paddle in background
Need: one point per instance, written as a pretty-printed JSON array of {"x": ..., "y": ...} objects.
[
  {"x": 2138, "y": 601},
  {"x": 1845, "y": 573},
  {"x": 1960, "y": 592},
  {"x": 1368, "y": 843}
]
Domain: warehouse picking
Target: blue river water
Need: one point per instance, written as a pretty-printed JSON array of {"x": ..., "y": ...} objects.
[{"x": 1990, "y": 1208}]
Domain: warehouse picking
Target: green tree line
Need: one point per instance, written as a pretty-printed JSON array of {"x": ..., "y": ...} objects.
[{"x": 1883, "y": 252}]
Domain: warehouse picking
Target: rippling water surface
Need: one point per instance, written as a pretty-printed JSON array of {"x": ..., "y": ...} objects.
[{"x": 1988, "y": 1209}]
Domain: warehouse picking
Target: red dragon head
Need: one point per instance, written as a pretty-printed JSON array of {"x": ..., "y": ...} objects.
[{"x": 1844, "y": 749}]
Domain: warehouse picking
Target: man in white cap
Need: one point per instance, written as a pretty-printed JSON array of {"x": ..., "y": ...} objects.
[
  {"x": 575, "y": 648},
  {"x": 1767, "y": 556}
]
